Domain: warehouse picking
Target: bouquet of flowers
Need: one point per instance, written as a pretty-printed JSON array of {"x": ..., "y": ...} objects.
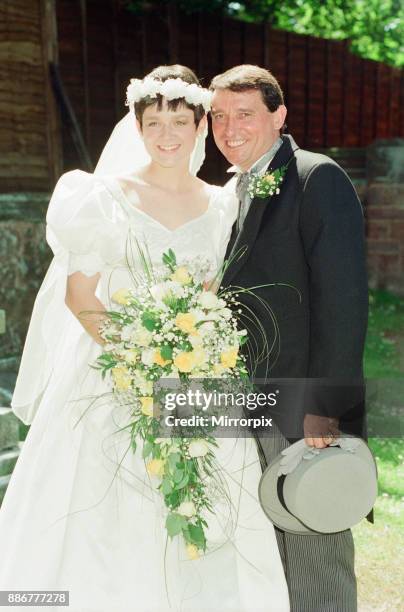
[{"x": 172, "y": 325}]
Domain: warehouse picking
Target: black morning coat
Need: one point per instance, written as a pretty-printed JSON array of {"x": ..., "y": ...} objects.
[{"x": 310, "y": 240}]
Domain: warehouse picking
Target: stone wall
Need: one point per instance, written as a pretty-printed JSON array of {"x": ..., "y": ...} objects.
[
  {"x": 10, "y": 446},
  {"x": 24, "y": 257},
  {"x": 384, "y": 202}
]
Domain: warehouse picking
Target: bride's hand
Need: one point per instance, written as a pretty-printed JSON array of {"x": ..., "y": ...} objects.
[{"x": 209, "y": 286}]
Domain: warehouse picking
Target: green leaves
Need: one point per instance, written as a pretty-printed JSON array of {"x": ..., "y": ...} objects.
[
  {"x": 178, "y": 475},
  {"x": 149, "y": 320},
  {"x": 166, "y": 486},
  {"x": 195, "y": 535},
  {"x": 375, "y": 28},
  {"x": 169, "y": 259},
  {"x": 166, "y": 352},
  {"x": 175, "y": 523},
  {"x": 147, "y": 449},
  {"x": 173, "y": 459}
]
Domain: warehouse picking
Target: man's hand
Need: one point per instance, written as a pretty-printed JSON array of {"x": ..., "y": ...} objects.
[{"x": 320, "y": 431}]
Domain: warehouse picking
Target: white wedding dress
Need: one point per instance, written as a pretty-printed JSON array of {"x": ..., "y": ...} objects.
[{"x": 79, "y": 513}]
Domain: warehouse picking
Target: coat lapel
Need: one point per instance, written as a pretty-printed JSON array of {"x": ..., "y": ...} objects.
[{"x": 240, "y": 246}]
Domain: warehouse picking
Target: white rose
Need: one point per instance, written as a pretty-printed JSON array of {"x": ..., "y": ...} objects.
[
  {"x": 158, "y": 291},
  {"x": 195, "y": 340},
  {"x": 172, "y": 89},
  {"x": 198, "y": 314},
  {"x": 206, "y": 328},
  {"x": 148, "y": 357},
  {"x": 186, "y": 508},
  {"x": 193, "y": 93},
  {"x": 198, "y": 448},
  {"x": 226, "y": 313},
  {"x": 214, "y": 316},
  {"x": 128, "y": 331},
  {"x": 142, "y": 337},
  {"x": 145, "y": 386},
  {"x": 208, "y": 300},
  {"x": 176, "y": 288},
  {"x": 151, "y": 87}
]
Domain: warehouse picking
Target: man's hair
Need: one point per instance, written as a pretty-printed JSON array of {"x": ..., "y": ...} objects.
[
  {"x": 163, "y": 73},
  {"x": 247, "y": 76}
]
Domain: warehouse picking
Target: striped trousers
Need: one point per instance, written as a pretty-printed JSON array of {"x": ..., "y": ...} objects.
[{"x": 319, "y": 569}]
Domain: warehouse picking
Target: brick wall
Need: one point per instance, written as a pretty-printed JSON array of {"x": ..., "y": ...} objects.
[{"x": 384, "y": 202}]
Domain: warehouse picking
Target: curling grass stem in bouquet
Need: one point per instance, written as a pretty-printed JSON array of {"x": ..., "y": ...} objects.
[{"x": 169, "y": 325}]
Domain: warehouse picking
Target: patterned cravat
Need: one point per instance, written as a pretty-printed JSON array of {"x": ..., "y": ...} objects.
[
  {"x": 243, "y": 180},
  {"x": 241, "y": 192}
]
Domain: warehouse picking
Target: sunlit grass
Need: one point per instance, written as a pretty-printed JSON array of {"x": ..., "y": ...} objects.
[{"x": 379, "y": 547}]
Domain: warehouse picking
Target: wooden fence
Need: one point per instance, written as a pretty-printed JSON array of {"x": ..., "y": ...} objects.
[
  {"x": 334, "y": 98},
  {"x": 29, "y": 157}
]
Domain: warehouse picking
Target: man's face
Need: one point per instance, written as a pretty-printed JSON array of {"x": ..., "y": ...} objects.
[{"x": 243, "y": 127}]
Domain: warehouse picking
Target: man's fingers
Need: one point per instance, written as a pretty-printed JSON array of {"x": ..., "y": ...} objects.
[{"x": 318, "y": 442}]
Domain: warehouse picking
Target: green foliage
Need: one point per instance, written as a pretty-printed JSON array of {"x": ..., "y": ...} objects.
[
  {"x": 374, "y": 27},
  {"x": 386, "y": 323},
  {"x": 149, "y": 320},
  {"x": 175, "y": 523}
]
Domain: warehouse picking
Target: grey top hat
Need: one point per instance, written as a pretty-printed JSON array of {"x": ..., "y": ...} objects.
[{"x": 311, "y": 491}]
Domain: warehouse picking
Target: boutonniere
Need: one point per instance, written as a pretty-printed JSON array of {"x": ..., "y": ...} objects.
[{"x": 266, "y": 185}]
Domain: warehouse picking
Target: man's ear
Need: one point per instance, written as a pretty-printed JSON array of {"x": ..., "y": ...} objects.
[
  {"x": 203, "y": 124},
  {"x": 280, "y": 116}
]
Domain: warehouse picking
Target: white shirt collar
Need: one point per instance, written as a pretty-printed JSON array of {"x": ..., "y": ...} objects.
[{"x": 236, "y": 169}]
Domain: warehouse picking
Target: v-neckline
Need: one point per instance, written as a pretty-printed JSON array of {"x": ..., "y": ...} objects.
[{"x": 158, "y": 223}]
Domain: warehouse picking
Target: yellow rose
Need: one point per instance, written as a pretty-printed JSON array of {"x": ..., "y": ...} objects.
[
  {"x": 185, "y": 321},
  {"x": 155, "y": 467},
  {"x": 122, "y": 378},
  {"x": 181, "y": 276},
  {"x": 159, "y": 359},
  {"x": 269, "y": 178},
  {"x": 147, "y": 405},
  {"x": 192, "y": 551},
  {"x": 218, "y": 368},
  {"x": 228, "y": 358},
  {"x": 121, "y": 296},
  {"x": 184, "y": 361}
]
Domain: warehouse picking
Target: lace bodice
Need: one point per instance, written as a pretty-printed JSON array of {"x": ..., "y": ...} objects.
[{"x": 91, "y": 219}]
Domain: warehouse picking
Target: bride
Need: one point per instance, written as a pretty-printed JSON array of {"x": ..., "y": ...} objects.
[{"x": 80, "y": 513}]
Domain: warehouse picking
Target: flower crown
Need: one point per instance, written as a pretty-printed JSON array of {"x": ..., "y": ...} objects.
[{"x": 171, "y": 89}]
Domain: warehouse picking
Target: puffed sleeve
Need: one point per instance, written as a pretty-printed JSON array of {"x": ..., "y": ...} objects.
[{"x": 84, "y": 221}]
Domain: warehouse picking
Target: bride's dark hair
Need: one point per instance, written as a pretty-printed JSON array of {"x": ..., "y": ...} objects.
[{"x": 163, "y": 73}]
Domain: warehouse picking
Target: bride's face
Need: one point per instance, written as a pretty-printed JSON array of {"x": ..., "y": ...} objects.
[{"x": 169, "y": 136}]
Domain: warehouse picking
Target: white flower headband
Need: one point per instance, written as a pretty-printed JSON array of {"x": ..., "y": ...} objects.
[{"x": 171, "y": 89}]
